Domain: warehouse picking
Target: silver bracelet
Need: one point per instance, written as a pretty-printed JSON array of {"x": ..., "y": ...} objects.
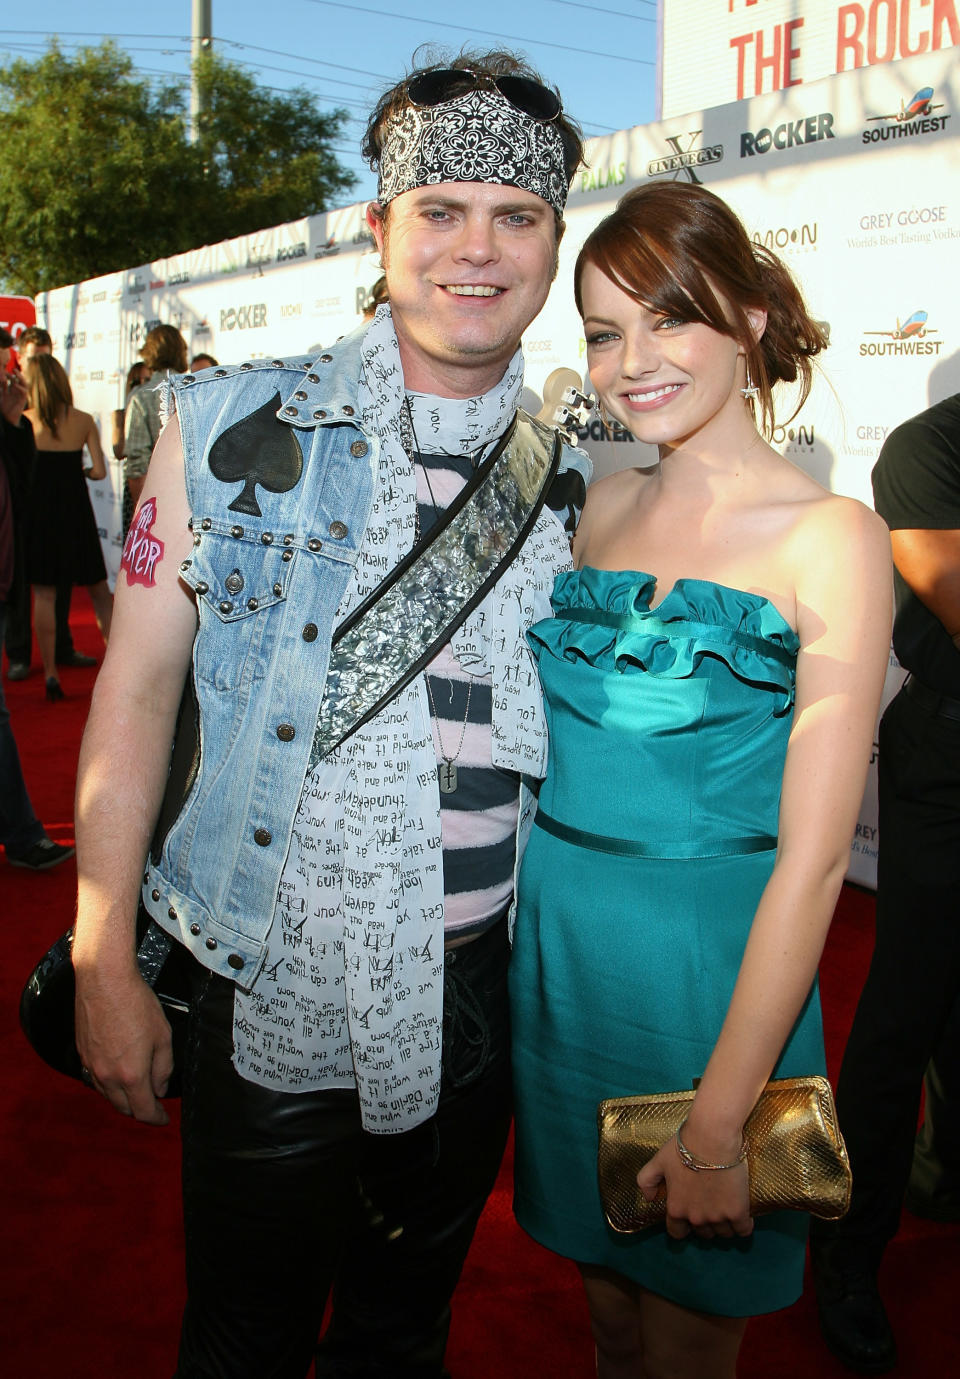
[{"x": 691, "y": 1161}]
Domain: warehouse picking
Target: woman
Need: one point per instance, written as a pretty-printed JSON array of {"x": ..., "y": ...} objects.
[
  {"x": 136, "y": 375},
  {"x": 710, "y": 727},
  {"x": 62, "y": 540}
]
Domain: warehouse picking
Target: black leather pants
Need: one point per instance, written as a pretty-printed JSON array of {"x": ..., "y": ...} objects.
[{"x": 287, "y": 1200}]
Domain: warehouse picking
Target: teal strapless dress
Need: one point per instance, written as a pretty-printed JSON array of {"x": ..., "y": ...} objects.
[{"x": 655, "y": 836}]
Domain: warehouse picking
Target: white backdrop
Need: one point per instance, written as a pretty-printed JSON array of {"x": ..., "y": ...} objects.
[{"x": 863, "y": 205}]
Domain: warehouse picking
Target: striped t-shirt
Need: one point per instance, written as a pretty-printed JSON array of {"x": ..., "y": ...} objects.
[{"x": 478, "y": 820}]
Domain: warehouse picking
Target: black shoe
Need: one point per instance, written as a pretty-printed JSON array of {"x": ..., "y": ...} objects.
[
  {"x": 852, "y": 1317},
  {"x": 54, "y": 690},
  {"x": 17, "y": 670},
  {"x": 42, "y": 855},
  {"x": 77, "y": 661}
]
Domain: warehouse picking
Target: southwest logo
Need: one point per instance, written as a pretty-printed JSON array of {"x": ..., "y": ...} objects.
[
  {"x": 913, "y": 118},
  {"x": 907, "y": 337}
]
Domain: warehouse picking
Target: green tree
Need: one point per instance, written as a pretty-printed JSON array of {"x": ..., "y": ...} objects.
[{"x": 96, "y": 171}]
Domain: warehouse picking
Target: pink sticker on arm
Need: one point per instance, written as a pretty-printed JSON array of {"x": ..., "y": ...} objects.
[{"x": 141, "y": 551}]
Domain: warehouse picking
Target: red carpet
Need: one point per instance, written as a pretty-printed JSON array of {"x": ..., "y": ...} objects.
[{"x": 93, "y": 1275}]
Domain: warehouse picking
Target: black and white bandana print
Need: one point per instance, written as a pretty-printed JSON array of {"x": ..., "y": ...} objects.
[{"x": 477, "y": 137}]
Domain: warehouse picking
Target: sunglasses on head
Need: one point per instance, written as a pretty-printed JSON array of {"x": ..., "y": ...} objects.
[{"x": 447, "y": 83}]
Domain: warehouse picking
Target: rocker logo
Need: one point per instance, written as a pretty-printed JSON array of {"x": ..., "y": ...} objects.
[{"x": 141, "y": 551}]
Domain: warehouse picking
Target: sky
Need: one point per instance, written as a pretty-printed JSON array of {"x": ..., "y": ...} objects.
[{"x": 602, "y": 57}]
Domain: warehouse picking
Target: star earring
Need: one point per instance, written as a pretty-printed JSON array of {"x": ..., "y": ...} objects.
[{"x": 751, "y": 390}]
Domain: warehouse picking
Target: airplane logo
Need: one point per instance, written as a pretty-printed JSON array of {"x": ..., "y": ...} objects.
[
  {"x": 922, "y": 104},
  {"x": 914, "y": 327}
]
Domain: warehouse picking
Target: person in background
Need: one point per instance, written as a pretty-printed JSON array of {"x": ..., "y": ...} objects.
[
  {"x": 33, "y": 341},
  {"x": 907, "y": 1020},
  {"x": 136, "y": 375},
  {"x": 711, "y": 682},
  {"x": 202, "y": 361},
  {"x": 62, "y": 539},
  {"x": 21, "y": 833},
  {"x": 164, "y": 351},
  {"x": 378, "y": 295}
]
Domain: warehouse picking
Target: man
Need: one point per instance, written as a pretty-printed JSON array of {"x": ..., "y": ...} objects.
[
  {"x": 346, "y": 1086},
  {"x": 33, "y": 341},
  {"x": 909, "y": 1010},
  {"x": 21, "y": 833}
]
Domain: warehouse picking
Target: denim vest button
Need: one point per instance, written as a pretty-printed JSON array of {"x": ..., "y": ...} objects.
[
  {"x": 277, "y": 363},
  {"x": 313, "y": 378},
  {"x": 266, "y": 538},
  {"x": 263, "y": 837},
  {"x": 278, "y": 589},
  {"x": 314, "y": 544},
  {"x": 237, "y": 532},
  {"x": 211, "y": 943},
  {"x": 201, "y": 588},
  {"x": 185, "y": 564},
  {"x": 235, "y": 961},
  {"x": 286, "y": 732},
  {"x": 326, "y": 358},
  {"x": 195, "y": 930},
  {"x": 253, "y": 604},
  {"x": 220, "y": 373},
  {"x": 188, "y": 378},
  {"x": 196, "y": 540},
  {"x": 206, "y": 524},
  {"x": 347, "y": 410},
  {"x": 288, "y": 539},
  {"x": 155, "y": 895},
  {"x": 359, "y": 448},
  {"x": 319, "y": 416},
  {"x": 300, "y": 396},
  {"x": 171, "y": 913},
  {"x": 246, "y": 366},
  {"x": 310, "y": 632},
  {"x": 338, "y": 530},
  {"x": 290, "y": 411},
  {"x": 226, "y": 606},
  {"x": 287, "y": 555},
  {"x": 234, "y": 582}
]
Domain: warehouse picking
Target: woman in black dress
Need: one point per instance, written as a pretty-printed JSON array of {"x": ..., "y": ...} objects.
[{"x": 62, "y": 540}]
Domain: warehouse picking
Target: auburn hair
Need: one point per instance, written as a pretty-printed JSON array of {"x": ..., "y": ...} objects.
[{"x": 679, "y": 250}]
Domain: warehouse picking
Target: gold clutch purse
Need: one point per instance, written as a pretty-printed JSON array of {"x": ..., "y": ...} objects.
[{"x": 796, "y": 1155}]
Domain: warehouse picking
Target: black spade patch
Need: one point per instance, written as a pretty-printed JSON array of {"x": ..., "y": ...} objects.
[
  {"x": 569, "y": 491},
  {"x": 259, "y": 449}
]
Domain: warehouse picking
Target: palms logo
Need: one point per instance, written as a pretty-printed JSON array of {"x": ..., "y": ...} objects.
[{"x": 685, "y": 158}]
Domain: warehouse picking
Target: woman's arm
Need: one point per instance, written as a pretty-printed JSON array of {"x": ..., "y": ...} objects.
[
  {"x": 98, "y": 468},
  {"x": 841, "y": 553}
]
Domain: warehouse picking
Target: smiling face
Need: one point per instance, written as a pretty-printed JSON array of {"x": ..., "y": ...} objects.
[
  {"x": 669, "y": 382},
  {"x": 468, "y": 267}
]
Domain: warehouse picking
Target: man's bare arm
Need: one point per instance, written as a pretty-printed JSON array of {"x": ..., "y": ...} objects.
[
  {"x": 122, "y": 1035},
  {"x": 929, "y": 562}
]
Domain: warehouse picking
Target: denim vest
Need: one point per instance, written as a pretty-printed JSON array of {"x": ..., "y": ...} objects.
[{"x": 277, "y": 530}]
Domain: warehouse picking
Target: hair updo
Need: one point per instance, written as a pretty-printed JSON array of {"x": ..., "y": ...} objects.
[{"x": 677, "y": 249}]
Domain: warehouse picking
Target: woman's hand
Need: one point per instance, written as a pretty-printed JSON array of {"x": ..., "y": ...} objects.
[{"x": 712, "y": 1202}]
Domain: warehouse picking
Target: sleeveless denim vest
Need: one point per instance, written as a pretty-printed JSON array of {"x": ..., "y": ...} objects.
[{"x": 278, "y": 515}]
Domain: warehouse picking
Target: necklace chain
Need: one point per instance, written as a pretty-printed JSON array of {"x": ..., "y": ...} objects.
[{"x": 447, "y": 775}]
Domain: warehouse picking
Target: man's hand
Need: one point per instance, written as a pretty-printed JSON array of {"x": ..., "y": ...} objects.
[{"x": 124, "y": 1042}]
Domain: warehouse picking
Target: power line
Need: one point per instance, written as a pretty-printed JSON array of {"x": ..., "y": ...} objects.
[
  {"x": 598, "y": 9},
  {"x": 463, "y": 28}
]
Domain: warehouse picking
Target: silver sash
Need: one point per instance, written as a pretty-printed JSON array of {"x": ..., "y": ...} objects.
[{"x": 385, "y": 642}]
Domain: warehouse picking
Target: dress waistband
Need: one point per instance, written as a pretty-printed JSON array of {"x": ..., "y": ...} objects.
[{"x": 627, "y": 847}]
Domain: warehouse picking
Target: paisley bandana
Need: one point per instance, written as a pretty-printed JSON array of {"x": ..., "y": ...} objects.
[{"x": 477, "y": 137}]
